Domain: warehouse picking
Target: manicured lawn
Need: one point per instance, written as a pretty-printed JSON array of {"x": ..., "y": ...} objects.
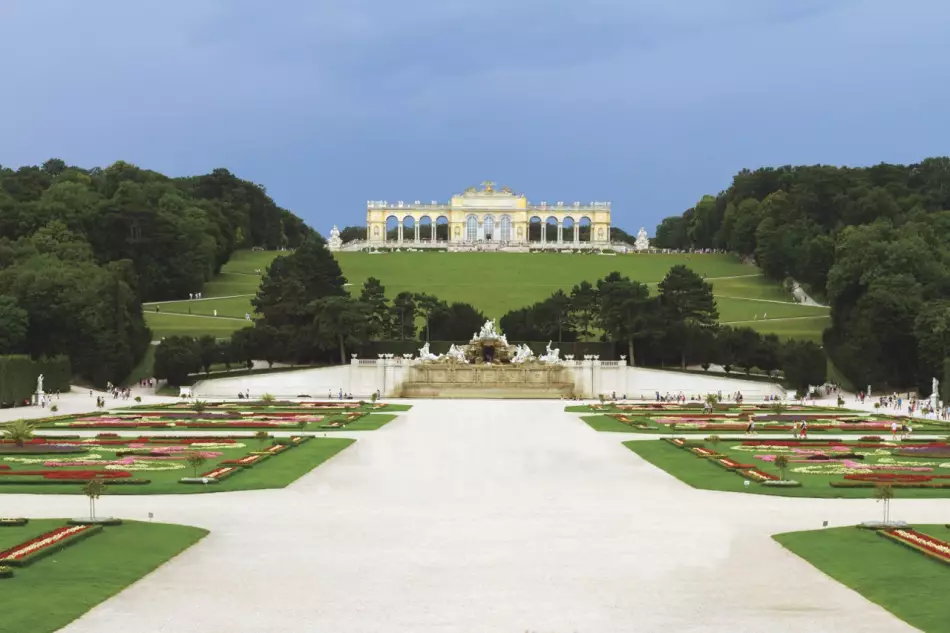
[
  {"x": 746, "y": 311},
  {"x": 369, "y": 422},
  {"x": 607, "y": 423},
  {"x": 165, "y": 324},
  {"x": 698, "y": 472},
  {"x": 277, "y": 471},
  {"x": 234, "y": 307},
  {"x": 809, "y": 329},
  {"x": 54, "y": 591},
  {"x": 912, "y": 586},
  {"x": 496, "y": 283}
]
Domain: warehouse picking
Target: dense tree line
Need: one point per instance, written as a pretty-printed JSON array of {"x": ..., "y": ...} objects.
[
  {"x": 676, "y": 326},
  {"x": 873, "y": 241},
  {"x": 80, "y": 249},
  {"x": 175, "y": 232}
]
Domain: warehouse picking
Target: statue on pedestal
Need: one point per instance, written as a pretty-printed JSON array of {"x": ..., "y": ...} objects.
[
  {"x": 39, "y": 384},
  {"x": 934, "y": 395},
  {"x": 335, "y": 243},
  {"x": 642, "y": 242},
  {"x": 488, "y": 331}
]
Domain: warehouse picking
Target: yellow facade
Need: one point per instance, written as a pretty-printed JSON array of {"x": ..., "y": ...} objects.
[{"x": 489, "y": 215}]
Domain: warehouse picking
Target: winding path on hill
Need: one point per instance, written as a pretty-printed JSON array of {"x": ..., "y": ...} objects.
[{"x": 486, "y": 516}]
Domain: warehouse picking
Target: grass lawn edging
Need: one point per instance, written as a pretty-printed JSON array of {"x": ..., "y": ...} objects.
[
  {"x": 48, "y": 595},
  {"x": 880, "y": 570}
]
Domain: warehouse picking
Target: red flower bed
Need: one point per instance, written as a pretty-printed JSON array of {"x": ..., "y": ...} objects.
[
  {"x": 68, "y": 474},
  {"x": 221, "y": 472},
  {"x": 921, "y": 542},
  {"x": 894, "y": 477},
  {"x": 729, "y": 464},
  {"x": 25, "y": 553},
  {"x": 757, "y": 475}
]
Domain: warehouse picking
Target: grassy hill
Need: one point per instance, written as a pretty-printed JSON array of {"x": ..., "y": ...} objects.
[{"x": 495, "y": 283}]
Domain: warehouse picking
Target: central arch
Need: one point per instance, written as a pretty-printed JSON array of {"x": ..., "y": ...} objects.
[{"x": 488, "y": 228}]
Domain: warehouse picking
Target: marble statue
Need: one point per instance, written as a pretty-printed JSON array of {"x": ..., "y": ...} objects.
[
  {"x": 522, "y": 353},
  {"x": 335, "y": 243},
  {"x": 39, "y": 383},
  {"x": 934, "y": 395},
  {"x": 488, "y": 331},
  {"x": 456, "y": 353},
  {"x": 425, "y": 354},
  {"x": 642, "y": 242},
  {"x": 551, "y": 355}
]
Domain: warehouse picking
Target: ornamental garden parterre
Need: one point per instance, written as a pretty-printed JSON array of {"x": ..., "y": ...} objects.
[
  {"x": 152, "y": 457},
  {"x": 691, "y": 418},
  {"x": 785, "y": 463}
]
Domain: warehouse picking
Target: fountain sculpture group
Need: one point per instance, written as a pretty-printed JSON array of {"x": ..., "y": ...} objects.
[
  {"x": 489, "y": 366},
  {"x": 501, "y": 352}
]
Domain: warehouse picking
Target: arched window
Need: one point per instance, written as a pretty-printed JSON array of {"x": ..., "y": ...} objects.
[
  {"x": 488, "y": 228},
  {"x": 505, "y": 228},
  {"x": 471, "y": 229}
]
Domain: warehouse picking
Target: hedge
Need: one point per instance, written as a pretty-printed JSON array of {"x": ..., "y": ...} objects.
[{"x": 18, "y": 376}]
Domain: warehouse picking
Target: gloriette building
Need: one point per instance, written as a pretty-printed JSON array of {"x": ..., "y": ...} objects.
[{"x": 489, "y": 216}]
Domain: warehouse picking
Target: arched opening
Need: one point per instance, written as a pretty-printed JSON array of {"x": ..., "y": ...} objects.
[
  {"x": 504, "y": 229},
  {"x": 583, "y": 229},
  {"x": 550, "y": 229},
  {"x": 408, "y": 229},
  {"x": 488, "y": 228},
  {"x": 567, "y": 230},
  {"x": 471, "y": 229},
  {"x": 442, "y": 228},
  {"x": 392, "y": 228},
  {"x": 426, "y": 229},
  {"x": 534, "y": 229}
]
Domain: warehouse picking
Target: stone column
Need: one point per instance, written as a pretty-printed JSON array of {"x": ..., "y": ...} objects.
[
  {"x": 577, "y": 233},
  {"x": 560, "y": 231},
  {"x": 399, "y": 231},
  {"x": 544, "y": 232},
  {"x": 418, "y": 232}
]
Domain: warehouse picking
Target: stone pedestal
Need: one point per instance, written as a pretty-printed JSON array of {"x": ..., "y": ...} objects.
[{"x": 450, "y": 380}]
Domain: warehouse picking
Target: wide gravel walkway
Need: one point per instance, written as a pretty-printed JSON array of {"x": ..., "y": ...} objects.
[{"x": 483, "y": 516}]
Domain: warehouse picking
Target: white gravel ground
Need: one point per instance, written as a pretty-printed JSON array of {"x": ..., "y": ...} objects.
[{"x": 484, "y": 516}]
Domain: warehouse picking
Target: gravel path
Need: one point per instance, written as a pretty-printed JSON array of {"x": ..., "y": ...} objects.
[{"x": 483, "y": 516}]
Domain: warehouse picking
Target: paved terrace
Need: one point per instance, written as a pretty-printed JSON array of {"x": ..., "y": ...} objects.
[{"x": 486, "y": 516}]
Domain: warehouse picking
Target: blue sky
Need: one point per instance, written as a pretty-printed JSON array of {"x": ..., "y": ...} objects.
[{"x": 329, "y": 103}]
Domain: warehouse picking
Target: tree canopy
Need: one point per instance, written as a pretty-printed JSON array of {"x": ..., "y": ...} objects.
[
  {"x": 871, "y": 240},
  {"x": 80, "y": 249}
]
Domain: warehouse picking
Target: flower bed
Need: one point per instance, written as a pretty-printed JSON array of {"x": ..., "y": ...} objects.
[
  {"x": 935, "y": 548},
  {"x": 45, "y": 544},
  {"x": 245, "y": 462},
  {"x": 757, "y": 475},
  {"x": 730, "y": 464},
  {"x": 221, "y": 473},
  {"x": 705, "y": 452}
]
